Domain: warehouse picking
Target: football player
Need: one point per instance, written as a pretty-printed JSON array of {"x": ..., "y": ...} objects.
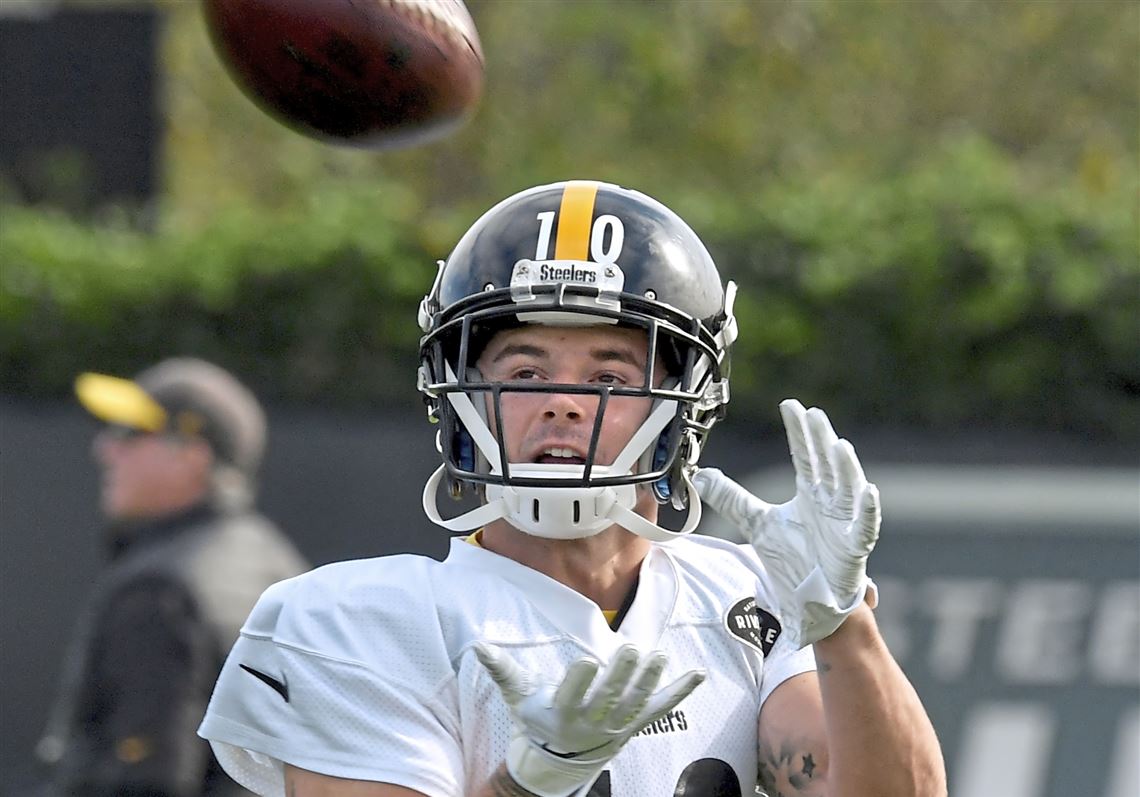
[{"x": 575, "y": 358}]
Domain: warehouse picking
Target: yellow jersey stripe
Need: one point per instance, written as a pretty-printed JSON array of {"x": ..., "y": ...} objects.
[{"x": 574, "y": 218}]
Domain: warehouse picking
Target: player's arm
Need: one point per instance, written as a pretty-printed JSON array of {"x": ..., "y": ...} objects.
[
  {"x": 880, "y": 739},
  {"x": 864, "y": 717},
  {"x": 854, "y": 727},
  {"x": 793, "y": 751},
  {"x": 303, "y": 783}
]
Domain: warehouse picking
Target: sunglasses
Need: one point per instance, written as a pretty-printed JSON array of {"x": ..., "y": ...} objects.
[{"x": 122, "y": 433}]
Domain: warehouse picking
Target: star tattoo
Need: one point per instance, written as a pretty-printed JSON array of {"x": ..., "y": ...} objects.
[{"x": 809, "y": 765}]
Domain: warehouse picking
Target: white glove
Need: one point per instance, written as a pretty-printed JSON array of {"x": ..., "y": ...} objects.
[
  {"x": 816, "y": 545},
  {"x": 563, "y": 739}
]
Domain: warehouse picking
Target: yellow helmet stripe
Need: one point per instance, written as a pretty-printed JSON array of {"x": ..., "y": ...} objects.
[{"x": 574, "y": 218}]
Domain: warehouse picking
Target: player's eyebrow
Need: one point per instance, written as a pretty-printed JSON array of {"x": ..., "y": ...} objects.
[
  {"x": 526, "y": 349},
  {"x": 622, "y": 355},
  {"x": 619, "y": 355}
]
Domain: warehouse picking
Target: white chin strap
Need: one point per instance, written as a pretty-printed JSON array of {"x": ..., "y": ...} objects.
[{"x": 561, "y": 513}]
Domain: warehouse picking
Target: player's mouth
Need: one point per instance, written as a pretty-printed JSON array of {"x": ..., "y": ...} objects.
[{"x": 560, "y": 455}]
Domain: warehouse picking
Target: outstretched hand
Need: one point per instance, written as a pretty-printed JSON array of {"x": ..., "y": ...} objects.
[
  {"x": 564, "y": 737},
  {"x": 816, "y": 545}
]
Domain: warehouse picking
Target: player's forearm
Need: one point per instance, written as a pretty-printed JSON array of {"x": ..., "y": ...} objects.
[
  {"x": 501, "y": 784},
  {"x": 880, "y": 739}
]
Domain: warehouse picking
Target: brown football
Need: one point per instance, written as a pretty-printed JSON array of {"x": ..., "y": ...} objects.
[{"x": 366, "y": 73}]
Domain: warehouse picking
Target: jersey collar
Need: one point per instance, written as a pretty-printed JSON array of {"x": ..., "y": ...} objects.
[{"x": 576, "y": 615}]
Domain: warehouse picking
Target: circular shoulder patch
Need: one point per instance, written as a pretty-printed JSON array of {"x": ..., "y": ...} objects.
[{"x": 755, "y": 627}]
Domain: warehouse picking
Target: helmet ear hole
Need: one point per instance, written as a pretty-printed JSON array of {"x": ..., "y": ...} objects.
[
  {"x": 464, "y": 449},
  {"x": 663, "y": 487}
]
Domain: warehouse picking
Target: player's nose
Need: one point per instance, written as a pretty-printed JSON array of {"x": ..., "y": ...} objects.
[{"x": 570, "y": 406}]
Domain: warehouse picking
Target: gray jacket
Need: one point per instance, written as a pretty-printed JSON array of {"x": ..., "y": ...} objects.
[{"x": 147, "y": 650}]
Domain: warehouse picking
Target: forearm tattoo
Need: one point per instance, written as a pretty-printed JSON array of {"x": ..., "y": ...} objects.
[{"x": 792, "y": 771}]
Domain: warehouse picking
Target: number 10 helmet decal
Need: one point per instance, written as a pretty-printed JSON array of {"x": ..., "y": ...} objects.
[{"x": 572, "y": 254}]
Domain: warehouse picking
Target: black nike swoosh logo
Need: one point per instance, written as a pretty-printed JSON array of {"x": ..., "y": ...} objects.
[{"x": 280, "y": 687}]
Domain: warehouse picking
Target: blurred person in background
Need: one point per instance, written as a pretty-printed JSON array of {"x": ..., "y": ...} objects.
[{"x": 188, "y": 555}]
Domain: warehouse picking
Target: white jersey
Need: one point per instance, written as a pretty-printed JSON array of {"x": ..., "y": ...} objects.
[{"x": 365, "y": 669}]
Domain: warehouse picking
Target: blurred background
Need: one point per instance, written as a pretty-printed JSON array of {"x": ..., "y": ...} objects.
[{"x": 931, "y": 209}]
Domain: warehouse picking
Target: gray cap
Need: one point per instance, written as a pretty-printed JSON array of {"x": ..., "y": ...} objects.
[{"x": 184, "y": 396}]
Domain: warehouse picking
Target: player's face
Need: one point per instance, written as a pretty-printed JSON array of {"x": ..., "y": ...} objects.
[
  {"x": 147, "y": 475},
  {"x": 556, "y": 427}
]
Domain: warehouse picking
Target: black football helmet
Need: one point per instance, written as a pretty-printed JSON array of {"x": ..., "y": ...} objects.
[{"x": 575, "y": 253}]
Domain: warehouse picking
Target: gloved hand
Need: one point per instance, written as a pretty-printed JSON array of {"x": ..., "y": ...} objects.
[
  {"x": 816, "y": 545},
  {"x": 564, "y": 737}
]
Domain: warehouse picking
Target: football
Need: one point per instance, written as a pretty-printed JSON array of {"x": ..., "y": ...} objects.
[{"x": 364, "y": 73}]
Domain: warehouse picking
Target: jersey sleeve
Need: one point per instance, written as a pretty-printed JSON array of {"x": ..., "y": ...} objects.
[
  {"x": 356, "y": 689},
  {"x": 783, "y": 662}
]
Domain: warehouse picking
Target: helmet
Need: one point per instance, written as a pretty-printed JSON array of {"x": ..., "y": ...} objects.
[{"x": 570, "y": 254}]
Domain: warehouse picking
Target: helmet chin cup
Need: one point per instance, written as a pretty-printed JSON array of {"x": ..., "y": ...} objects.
[{"x": 561, "y": 513}]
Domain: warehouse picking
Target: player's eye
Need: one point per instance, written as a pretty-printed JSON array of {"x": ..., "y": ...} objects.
[
  {"x": 523, "y": 374},
  {"x": 610, "y": 378}
]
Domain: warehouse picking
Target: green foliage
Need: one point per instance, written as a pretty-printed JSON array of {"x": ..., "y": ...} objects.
[
  {"x": 318, "y": 303},
  {"x": 950, "y": 294}
]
